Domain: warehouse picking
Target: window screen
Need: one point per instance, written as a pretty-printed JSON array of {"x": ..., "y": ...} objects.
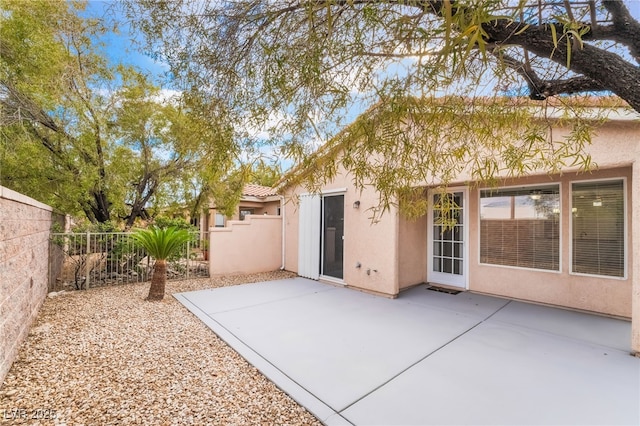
[
  {"x": 219, "y": 220},
  {"x": 598, "y": 228},
  {"x": 520, "y": 227}
]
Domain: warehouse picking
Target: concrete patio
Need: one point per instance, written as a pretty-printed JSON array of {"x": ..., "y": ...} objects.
[{"x": 427, "y": 358}]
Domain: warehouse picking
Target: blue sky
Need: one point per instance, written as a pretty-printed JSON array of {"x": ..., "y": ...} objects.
[{"x": 122, "y": 47}]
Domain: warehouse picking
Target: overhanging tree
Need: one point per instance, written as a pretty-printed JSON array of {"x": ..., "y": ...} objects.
[
  {"x": 51, "y": 108},
  {"x": 302, "y": 64},
  {"x": 90, "y": 137}
]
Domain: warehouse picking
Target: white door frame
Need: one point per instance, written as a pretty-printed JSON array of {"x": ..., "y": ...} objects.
[{"x": 454, "y": 280}]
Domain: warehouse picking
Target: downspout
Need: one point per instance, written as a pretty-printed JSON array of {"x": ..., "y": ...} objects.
[{"x": 282, "y": 213}]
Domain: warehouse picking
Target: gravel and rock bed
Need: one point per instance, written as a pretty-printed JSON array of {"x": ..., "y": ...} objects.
[{"x": 106, "y": 356}]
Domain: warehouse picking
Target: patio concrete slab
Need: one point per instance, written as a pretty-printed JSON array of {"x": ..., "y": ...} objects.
[
  {"x": 427, "y": 357},
  {"x": 504, "y": 375},
  {"x": 343, "y": 343},
  {"x": 236, "y": 297},
  {"x": 567, "y": 323}
]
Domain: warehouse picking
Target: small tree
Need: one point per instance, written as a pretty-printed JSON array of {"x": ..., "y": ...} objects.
[{"x": 160, "y": 243}]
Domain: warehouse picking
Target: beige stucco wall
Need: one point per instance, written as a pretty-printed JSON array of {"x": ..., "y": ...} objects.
[
  {"x": 412, "y": 251},
  {"x": 249, "y": 246},
  {"x": 371, "y": 245},
  {"x": 259, "y": 207},
  {"x": 599, "y": 294},
  {"x": 616, "y": 151},
  {"x": 24, "y": 254},
  {"x": 397, "y": 247}
]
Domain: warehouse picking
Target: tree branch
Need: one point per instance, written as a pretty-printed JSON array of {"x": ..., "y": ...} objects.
[
  {"x": 540, "y": 89},
  {"x": 592, "y": 62},
  {"x": 627, "y": 29}
]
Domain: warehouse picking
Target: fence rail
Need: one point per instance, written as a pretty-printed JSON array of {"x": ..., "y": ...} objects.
[{"x": 99, "y": 259}]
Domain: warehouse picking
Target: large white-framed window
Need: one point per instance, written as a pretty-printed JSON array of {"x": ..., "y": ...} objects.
[
  {"x": 598, "y": 227},
  {"x": 520, "y": 227}
]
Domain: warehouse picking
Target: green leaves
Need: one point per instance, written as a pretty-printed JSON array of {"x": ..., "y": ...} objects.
[
  {"x": 572, "y": 33},
  {"x": 401, "y": 147},
  {"x": 161, "y": 243},
  {"x": 94, "y": 139}
]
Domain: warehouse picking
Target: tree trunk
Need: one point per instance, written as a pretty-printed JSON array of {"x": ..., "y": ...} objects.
[
  {"x": 158, "y": 280},
  {"x": 100, "y": 206}
]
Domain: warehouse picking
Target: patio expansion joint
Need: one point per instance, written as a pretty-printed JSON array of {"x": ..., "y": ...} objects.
[
  {"x": 250, "y": 353},
  {"x": 481, "y": 321},
  {"x": 268, "y": 302}
]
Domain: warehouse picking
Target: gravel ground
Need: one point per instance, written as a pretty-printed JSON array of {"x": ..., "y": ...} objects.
[{"x": 107, "y": 357}]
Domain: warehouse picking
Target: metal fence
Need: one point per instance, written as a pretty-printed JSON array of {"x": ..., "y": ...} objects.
[{"x": 99, "y": 259}]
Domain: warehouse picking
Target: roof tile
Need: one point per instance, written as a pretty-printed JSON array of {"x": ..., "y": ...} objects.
[{"x": 251, "y": 190}]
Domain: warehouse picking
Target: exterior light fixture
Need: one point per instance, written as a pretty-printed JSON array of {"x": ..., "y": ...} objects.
[{"x": 356, "y": 204}]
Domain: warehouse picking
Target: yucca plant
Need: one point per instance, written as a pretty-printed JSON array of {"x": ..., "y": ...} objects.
[{"x": 161, "y": 244}]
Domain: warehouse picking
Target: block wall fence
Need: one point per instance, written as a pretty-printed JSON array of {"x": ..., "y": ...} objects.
[
  {"x": 246, "y": 247},
  {"x": 25, "y": 226}
]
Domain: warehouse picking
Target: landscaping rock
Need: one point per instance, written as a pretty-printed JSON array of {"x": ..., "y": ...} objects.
[{"x": 106, "y": 356}]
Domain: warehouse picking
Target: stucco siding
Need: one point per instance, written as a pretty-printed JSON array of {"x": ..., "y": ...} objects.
[
  {"x": 370, "y": 246},
  {"x": 412, "y": 251},
  {"x": 599, "y": 294},
  {"x": 249, "y": 246},
  {"x": 635, "y": 255}
]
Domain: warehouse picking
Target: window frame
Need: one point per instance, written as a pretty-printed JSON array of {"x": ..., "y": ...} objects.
[
  {"x": 216, "y": 215},
  {"x": 625, "y": 229},
  {"x": 560, "y": 225},
  {"x": 248, "y": 211}
]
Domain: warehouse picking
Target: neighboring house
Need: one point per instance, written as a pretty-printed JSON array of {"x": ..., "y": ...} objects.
[
  {"x": 570, "y": 240},
  {"x": 255, "y": 200}
]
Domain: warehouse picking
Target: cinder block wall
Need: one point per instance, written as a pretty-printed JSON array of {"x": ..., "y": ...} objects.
[{"x": 24, "y": 253}]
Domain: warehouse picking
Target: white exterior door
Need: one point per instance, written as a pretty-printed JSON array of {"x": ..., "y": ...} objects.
[
  {"x": 447, "y": 246},
  {"x": 309, "y": 237}
]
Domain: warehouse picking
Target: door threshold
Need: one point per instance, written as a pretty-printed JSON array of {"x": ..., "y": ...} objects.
[
  {"x": 331, "y": 280},
  {"x": 446, "y": 290}
]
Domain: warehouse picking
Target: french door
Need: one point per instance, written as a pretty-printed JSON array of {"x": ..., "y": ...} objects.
[{"x": 447, "y": 238}]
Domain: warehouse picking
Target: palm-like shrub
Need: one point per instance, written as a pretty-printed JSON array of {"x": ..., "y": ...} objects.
[{"x": 161, "y": 244}]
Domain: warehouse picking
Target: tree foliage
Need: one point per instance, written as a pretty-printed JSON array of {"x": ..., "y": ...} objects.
[
  {"x": 161, "y": 244},
  {"x": 52, "y": 126},
  {"x": 301, "y": 65},
  {"x": 87, "y": 136}
]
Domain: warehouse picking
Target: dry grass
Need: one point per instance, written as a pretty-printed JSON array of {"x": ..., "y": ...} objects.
[{"x": 107, "y": 357}]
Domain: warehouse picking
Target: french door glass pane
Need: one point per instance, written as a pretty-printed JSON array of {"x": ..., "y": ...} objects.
[{"x": 448, "y": 239}]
